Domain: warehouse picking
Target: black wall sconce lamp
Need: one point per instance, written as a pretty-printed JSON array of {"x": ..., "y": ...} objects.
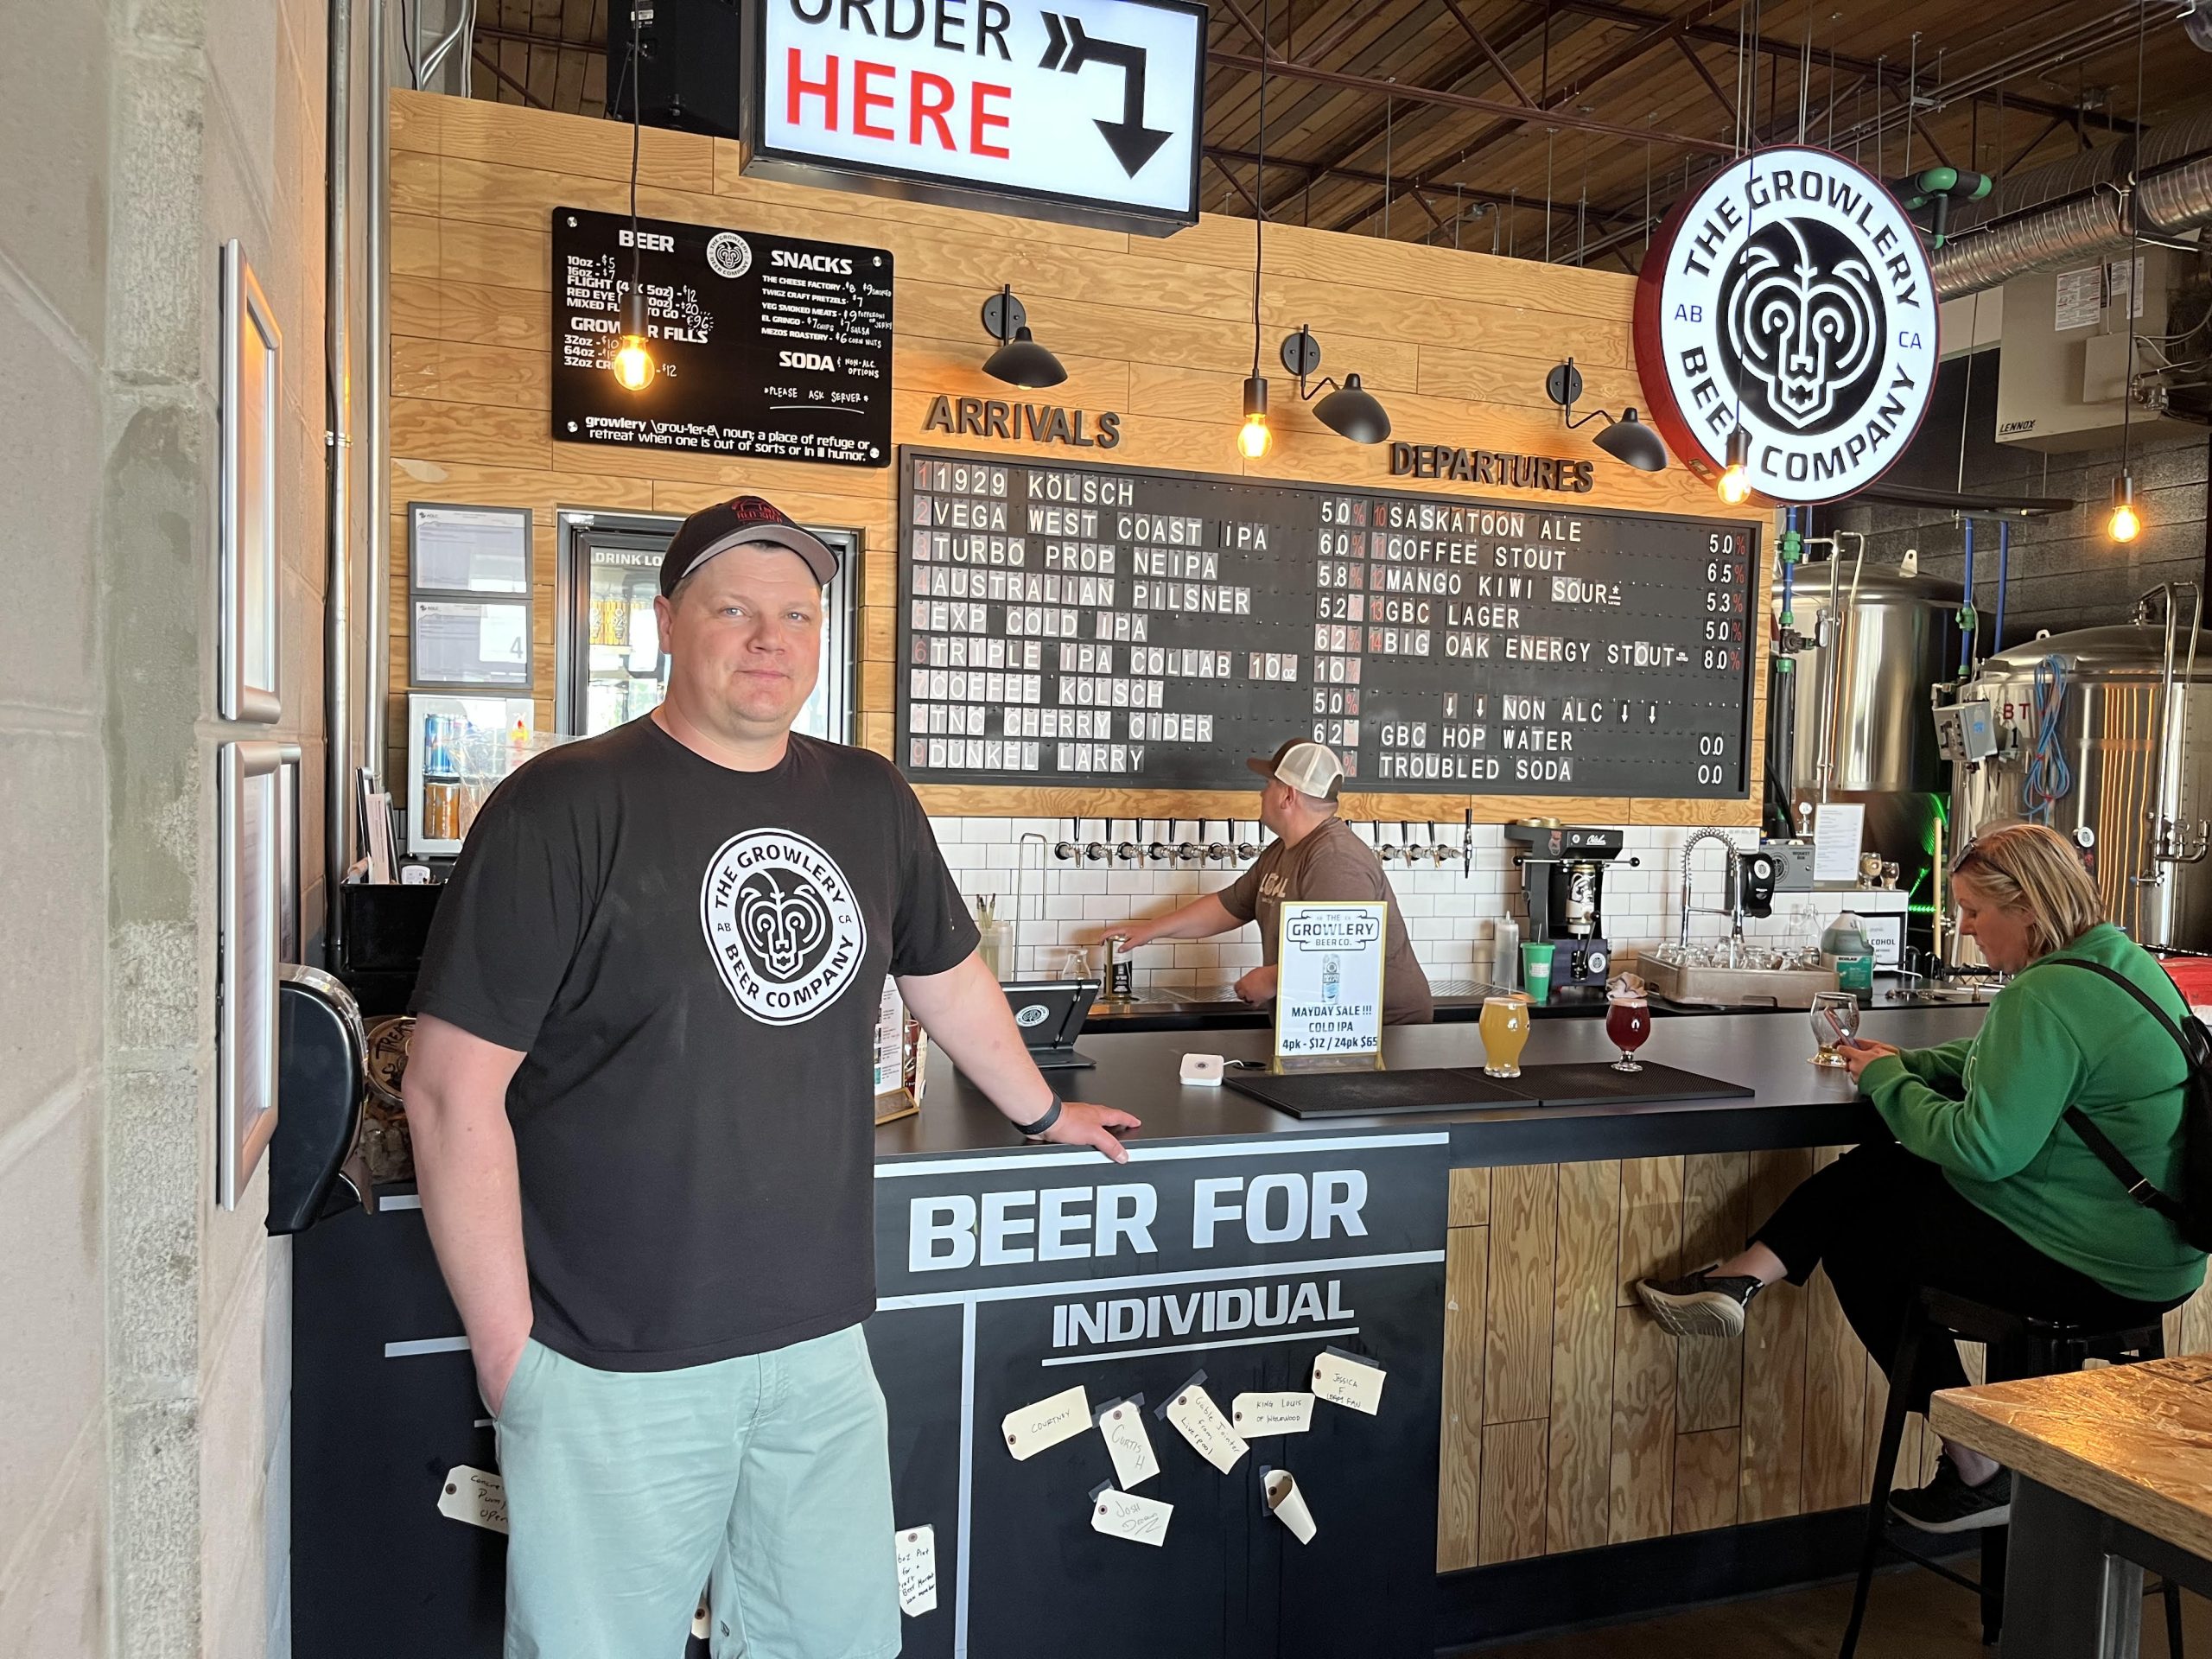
[
  {"x": 1019, "y": 360},
  {"x": 1626, "y": 440},
  {"x": 1350, "y": 410}
]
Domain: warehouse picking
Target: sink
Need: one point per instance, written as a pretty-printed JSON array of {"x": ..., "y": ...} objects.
[{"x": 1734, "y": 987}]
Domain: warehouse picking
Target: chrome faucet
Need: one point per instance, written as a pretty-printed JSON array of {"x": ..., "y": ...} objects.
[{"x": 1734, "y": 908}]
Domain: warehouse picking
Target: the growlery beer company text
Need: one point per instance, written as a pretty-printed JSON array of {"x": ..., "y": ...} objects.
[{"x": 1790, "y": 298}]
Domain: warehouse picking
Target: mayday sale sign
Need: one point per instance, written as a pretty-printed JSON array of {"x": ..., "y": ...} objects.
[
  {"x": 1082, "y": 109},
  {"x": 1791, "y": 300}
]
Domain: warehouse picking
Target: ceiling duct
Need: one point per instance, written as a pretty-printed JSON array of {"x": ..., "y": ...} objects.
[{"x": 2075, "y": 209}]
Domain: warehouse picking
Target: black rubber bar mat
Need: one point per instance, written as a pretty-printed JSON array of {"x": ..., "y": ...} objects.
[
  {"x": 1362, "y": 1094},
  {"x": 1594, "y": 1083}
]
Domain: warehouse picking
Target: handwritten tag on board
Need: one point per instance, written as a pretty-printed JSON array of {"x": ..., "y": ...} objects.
[
  {"x": 1256, "y": 1414},
  {"x": 1212, "y": 1435},
  {"x": 1127, "y": 1515},
  {"x": 1342, "y": 1379},
  {"x": 1122, "y": 1424},
  {"x": 474, "y": 1496},
  {"x": 1033, "y": 1427},
  {"x": 1288, "y": 1504},
  {"x": 917, "y": 1549}
]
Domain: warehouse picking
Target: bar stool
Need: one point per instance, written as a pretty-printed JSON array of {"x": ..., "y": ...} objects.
[{"x": 2018, "y": 1347}]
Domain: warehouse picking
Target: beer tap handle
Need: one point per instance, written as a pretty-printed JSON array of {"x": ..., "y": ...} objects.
[
  {"x": 1158, "y": 852},
  {"x": 1467, "y": 845},
  {"x": 1126, "y": 851},
  {"x": 1246, "y": 852},
  {"x": 1067, "y": 849},
  {"x": 1218, "y": 851},
  {"x": 1094, "y": 852}
]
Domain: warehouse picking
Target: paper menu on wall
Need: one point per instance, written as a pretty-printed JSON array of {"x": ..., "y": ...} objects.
[
  {"x": 1345, "y": 1379},
  {"x": 1256, "y": 1414},
  {"x": 1838, "y": 828},
  {"x": 1122, "y": 1425},
  {"x": 916, "y": 1551},
  {"x": 1058, "y": 1417},
  {"x": 1128, "y": 1514},
  {"x": 1195, "y": 1417}
]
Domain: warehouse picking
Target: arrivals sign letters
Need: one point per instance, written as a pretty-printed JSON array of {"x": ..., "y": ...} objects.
[{"x": 1789, "y": 297}]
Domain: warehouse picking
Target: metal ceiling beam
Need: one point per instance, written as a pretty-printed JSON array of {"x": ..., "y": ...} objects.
[
  {"x": 509, "y": 82},
  {"x": 1367, "y": 175},
  {"x": 1551, "y": 115},
  {"x": 1713, "y": 35},
  {"x": 1483, "y": 45},
  {"x": 1705, "y": 75}
]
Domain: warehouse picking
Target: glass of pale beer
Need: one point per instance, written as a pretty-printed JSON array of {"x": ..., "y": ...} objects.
[{"x": 1505, "y": 1028}]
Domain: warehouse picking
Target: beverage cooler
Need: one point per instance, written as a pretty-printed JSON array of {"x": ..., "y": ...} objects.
[
  {"x": 609, "y": 665},
  {"x": 458, "y": 748}
]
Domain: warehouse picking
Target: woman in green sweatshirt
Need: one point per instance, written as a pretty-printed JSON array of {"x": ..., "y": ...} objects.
[{"x": 1986, "y": 1192}]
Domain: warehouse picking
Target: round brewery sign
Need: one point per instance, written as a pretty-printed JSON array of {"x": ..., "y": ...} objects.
[{"x": 1789, "y": 297}]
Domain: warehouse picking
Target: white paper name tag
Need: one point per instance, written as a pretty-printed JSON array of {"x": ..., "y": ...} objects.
[
  {"x": 1126, "y": 1514},
  {"x": 701, "y": 1621},
  {"x": 916, "y": 1548},
  {"x": 1342, "y": 1380},
  {"x": 1288, "y": 1504},
  {"x": 475, "y": 1496},
  {"x": 1033, "y": 1428},
  {"x": 1122, "y": 1424},
  {"x": 1256, "y": 1414},
  {"x": 1210, "y": 1434}
]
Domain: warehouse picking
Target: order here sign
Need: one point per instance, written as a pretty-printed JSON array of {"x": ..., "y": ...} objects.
[{"x": 1085, "y": 110}]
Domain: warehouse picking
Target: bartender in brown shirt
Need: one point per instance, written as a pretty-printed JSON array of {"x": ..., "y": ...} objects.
[{"x": 1315, "y": 856}]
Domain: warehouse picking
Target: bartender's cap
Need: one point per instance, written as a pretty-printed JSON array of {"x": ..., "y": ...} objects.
[{"x": 1308, "y": 767}]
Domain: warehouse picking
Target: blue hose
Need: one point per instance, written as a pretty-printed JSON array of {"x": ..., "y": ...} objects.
[{"x": 2048, "y": 780}]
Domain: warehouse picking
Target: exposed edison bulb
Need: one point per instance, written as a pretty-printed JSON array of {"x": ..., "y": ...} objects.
[
  {"x": 633, "y": 364},
  {"x": 1253, "y": 438},
  {"x": 1735, "y": 487},
  {"x": 2126, "y": 524}
]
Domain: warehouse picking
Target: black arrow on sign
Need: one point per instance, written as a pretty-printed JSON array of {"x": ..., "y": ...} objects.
[{"x": 1069, "y": 48}]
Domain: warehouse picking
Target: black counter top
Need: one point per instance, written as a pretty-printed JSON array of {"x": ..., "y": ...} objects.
[
  {"x": 1458, "y": 1001},
  {"x": 1795, "y": 1104}
]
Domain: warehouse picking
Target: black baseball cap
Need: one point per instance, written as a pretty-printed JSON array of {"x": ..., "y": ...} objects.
[{"x": 741, "y": 521}]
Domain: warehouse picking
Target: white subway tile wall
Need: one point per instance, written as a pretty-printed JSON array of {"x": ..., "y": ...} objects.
[{"x": 1066, "y": 906}]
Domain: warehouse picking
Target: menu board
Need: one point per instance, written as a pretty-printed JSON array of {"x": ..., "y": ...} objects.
[
  {"x": 762, "y": 345},
  {"x": 1060, "y": 622}
]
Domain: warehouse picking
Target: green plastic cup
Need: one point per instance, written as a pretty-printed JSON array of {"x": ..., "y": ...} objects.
[{"x": 1537, "y": 971}]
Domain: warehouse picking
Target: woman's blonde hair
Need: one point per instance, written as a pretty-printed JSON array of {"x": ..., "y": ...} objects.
[{"x": 2033, "y": 869}]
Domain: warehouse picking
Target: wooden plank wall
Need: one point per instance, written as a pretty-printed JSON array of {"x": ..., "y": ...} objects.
[
  {"x": 1571, "y": 1420},
  {"x": 1160, "y": 329}
]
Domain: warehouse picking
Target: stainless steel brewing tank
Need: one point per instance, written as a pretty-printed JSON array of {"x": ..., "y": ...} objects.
[
  {"x": 2111, "y": 733},
  {"x": 1858, "y": 705}
]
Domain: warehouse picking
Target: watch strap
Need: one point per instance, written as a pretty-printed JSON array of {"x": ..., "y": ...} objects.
[{"x": 1051, "y": 1116}]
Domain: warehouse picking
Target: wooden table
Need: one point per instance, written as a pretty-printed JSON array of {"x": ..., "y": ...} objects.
[{"x": 2112, "y": 1472}]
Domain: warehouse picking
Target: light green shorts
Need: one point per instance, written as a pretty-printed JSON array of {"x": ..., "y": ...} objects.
[{"x": 627, "y": 1489}]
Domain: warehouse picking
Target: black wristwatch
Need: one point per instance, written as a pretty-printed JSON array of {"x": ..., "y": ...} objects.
[{"x": 1051, "y": 1116}]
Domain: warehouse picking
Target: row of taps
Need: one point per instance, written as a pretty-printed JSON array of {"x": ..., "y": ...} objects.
[{"x": 1240, "y": 848}]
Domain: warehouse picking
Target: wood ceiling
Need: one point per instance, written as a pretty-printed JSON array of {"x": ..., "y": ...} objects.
[{"x": 1549, "y": 128}]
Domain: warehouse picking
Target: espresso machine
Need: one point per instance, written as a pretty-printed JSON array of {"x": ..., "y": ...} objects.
[{"x": 1563, "y": 874}]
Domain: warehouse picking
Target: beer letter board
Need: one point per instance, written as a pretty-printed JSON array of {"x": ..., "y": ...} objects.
[{"x": 1061, "y": 622}]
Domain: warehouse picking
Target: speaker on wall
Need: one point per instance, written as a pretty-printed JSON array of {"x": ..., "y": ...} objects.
[{"x": 686, "y": 63}]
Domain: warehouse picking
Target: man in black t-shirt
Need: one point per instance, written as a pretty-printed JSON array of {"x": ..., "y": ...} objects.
[{"x": 641, "y": 1099}]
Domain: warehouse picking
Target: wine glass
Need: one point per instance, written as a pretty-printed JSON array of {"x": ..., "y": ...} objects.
[
  {"x": 1628, "y": 1022},
  {"x": 1835, "y": 1019}
]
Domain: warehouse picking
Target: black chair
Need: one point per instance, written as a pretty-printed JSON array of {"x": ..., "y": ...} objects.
[{"x": 2018, "y": 1347}]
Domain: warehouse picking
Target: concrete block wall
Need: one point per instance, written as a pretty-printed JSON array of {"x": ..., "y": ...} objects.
[{"x": 1068, "y": 905}]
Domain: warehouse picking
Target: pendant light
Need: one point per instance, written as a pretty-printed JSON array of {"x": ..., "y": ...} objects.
[
  {"x": 1254, "y": 438},
  {"x": 1735, "y": 486},
  {"x": 634, "y": 368},
  {"x": 2126, "y": 523}
]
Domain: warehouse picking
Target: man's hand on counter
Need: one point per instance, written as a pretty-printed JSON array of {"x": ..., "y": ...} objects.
[
  {"x": 1257, "y": 986},
  {"x": 1081, "y": 1124}
]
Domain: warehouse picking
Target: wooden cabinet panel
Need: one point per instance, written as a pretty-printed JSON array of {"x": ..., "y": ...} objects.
[
  {"x": 1642, "y": 1485},
  {"x": 1470, "y": 1197},
  {"x": 1710, "y": 1381},
  {"x": 1513, "y": 1492},
  {"x": 1580, "y": 1462},
  {"x": 1705, "y": 1479},
  {"x": 1459, "y": 1488},
  {"x": 1651, "y": 1223},
  {"x": 1518, "y": 1382}
]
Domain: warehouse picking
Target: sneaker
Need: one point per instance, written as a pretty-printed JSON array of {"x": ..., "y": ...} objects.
[
  {"x": 1699, "y": 1305},
  {"x": 1947, "y": 1504}
]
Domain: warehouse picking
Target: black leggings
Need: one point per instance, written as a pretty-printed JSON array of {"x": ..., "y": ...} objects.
[{"x": 1886, "y": 1225}]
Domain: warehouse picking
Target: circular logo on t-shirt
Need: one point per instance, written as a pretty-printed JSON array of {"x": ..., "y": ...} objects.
[{"x": 783, "y": 927}]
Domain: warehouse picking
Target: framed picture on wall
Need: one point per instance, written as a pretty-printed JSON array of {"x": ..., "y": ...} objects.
[
  {"x": 468, "y": 612},
  {"x": 258, "y": 859},
  {"x": 251, "y": 632}
]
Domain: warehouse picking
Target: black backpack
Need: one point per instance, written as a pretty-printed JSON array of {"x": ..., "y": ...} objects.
[{"x": 2192, "y": 1213}]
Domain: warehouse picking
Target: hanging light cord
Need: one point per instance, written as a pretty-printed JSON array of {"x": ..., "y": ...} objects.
[
  {"x": 2134, "y": 259},
  {"x": 1260, "y": 182},
  {"x": 631, "y": 79},
  {"x": 2048, "y": 778}
]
